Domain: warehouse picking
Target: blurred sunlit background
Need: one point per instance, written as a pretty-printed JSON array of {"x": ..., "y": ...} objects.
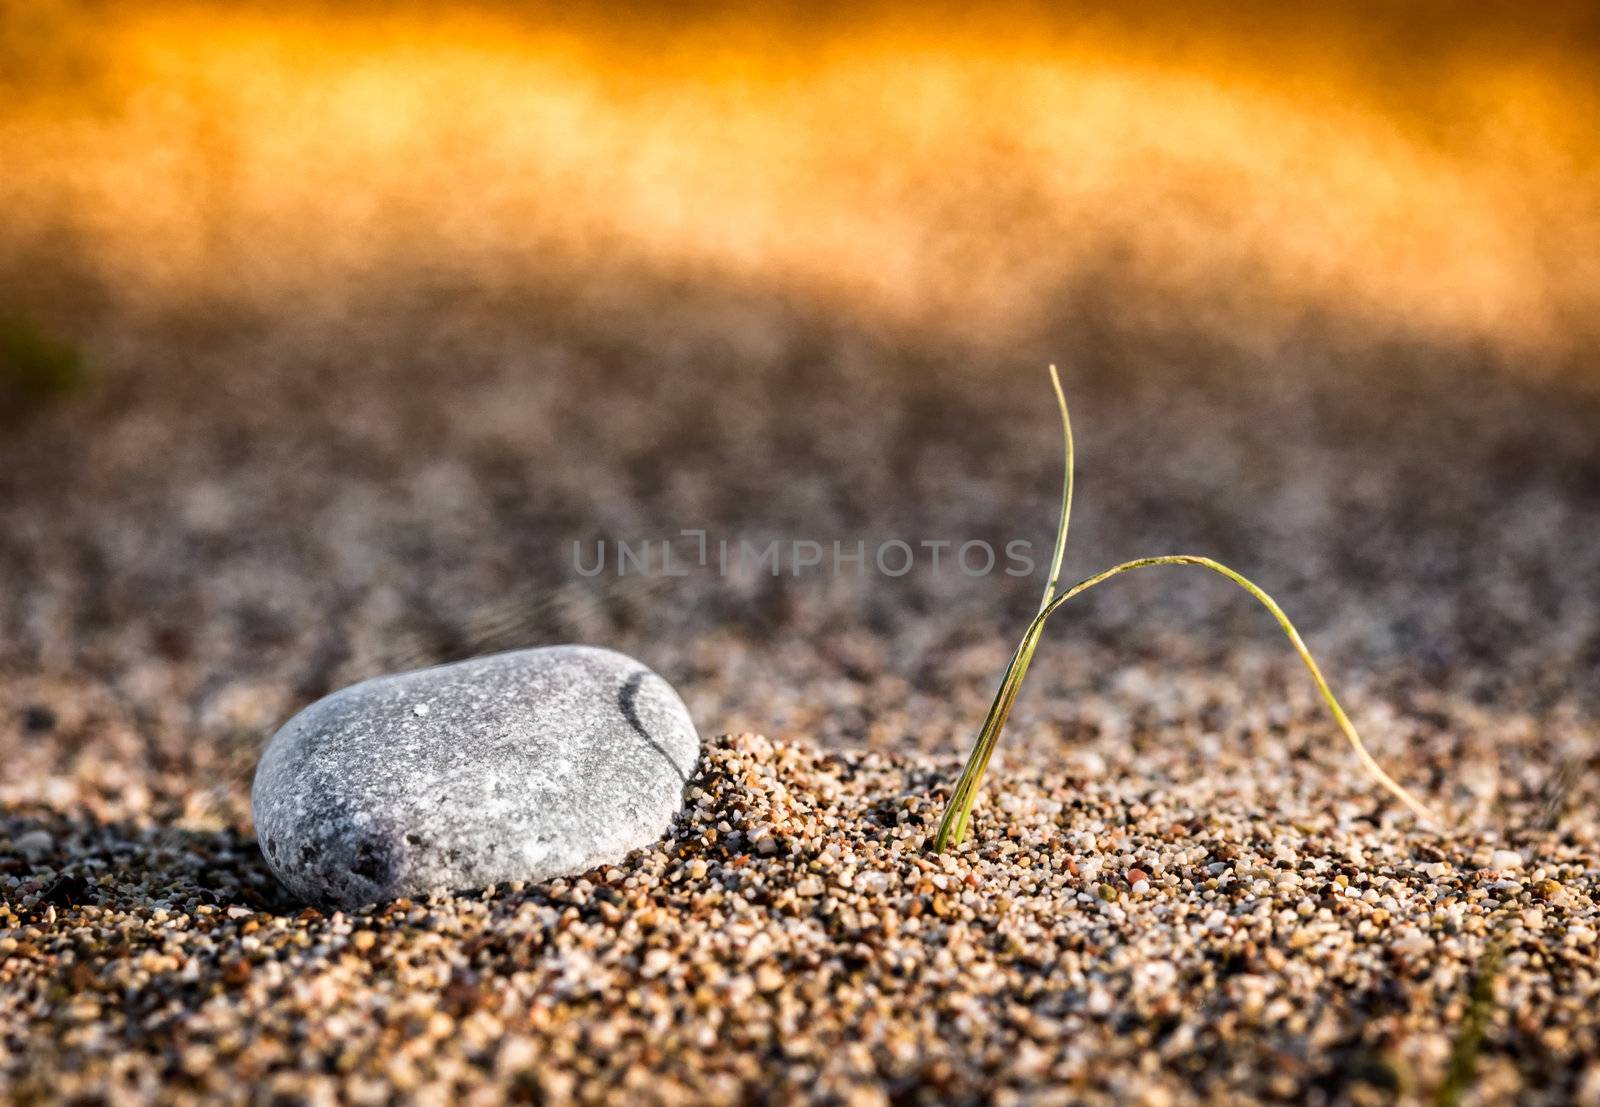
[
  {"x": 1417, "y": 173},
  {"x": 331, "y": 327}
]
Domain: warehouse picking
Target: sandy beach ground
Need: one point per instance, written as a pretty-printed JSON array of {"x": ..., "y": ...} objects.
[
  {"x": 292, "y": 467},
  {"x": 189, "y": 564}
]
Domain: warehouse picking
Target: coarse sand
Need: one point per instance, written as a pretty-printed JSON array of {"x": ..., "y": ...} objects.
[{"x": 1180, "y": 887}]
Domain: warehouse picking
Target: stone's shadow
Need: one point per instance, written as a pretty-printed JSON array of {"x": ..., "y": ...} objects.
[
  {"x": 68, "y": 861},
  {"x": 627, "y": 701}
]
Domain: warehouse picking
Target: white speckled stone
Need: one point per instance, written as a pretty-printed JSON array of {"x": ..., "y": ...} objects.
[{"x": 517, "y": 766}]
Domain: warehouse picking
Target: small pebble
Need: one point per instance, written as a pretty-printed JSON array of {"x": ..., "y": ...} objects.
[{"x": 34, "y": 844}]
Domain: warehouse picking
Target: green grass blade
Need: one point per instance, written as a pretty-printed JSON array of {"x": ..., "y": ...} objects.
[
  {"x": 958, "y": 812},
  {"x": 1066, "y": 495},
  {"x": 964, "y": 794}
]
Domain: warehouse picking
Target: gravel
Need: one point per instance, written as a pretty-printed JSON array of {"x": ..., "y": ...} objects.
[
  {"x": 1118, "y": 939},
  {"x": 1180, "y": 887}
]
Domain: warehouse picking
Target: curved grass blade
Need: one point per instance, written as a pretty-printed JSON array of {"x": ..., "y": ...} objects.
[
  {"x": 958, "y": 813},
  {"x": 965, "y": 791}
]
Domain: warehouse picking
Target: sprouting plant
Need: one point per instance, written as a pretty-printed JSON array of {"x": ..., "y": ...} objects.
[{"x": 958, "y": 814}]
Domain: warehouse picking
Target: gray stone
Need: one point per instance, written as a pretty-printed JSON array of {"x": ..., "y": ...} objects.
[{"x": 517, "y": 766}]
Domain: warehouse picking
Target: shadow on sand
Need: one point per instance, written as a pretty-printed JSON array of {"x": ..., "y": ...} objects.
[{"x": 73, "y": 861}]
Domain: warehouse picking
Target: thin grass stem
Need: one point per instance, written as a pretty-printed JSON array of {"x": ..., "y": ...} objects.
[
  {"x": 1066, "y": 495},
  {"x": 958, "y": 812},
  {"x": 953, "y": 828},
  {"x": 964, "y": 794}
]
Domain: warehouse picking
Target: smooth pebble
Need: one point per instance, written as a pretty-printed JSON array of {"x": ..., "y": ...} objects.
[{"x": 517, "y": 766}]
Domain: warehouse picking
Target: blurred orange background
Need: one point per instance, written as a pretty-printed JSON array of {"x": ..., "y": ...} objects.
[{"x": 956, "y": 177}]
